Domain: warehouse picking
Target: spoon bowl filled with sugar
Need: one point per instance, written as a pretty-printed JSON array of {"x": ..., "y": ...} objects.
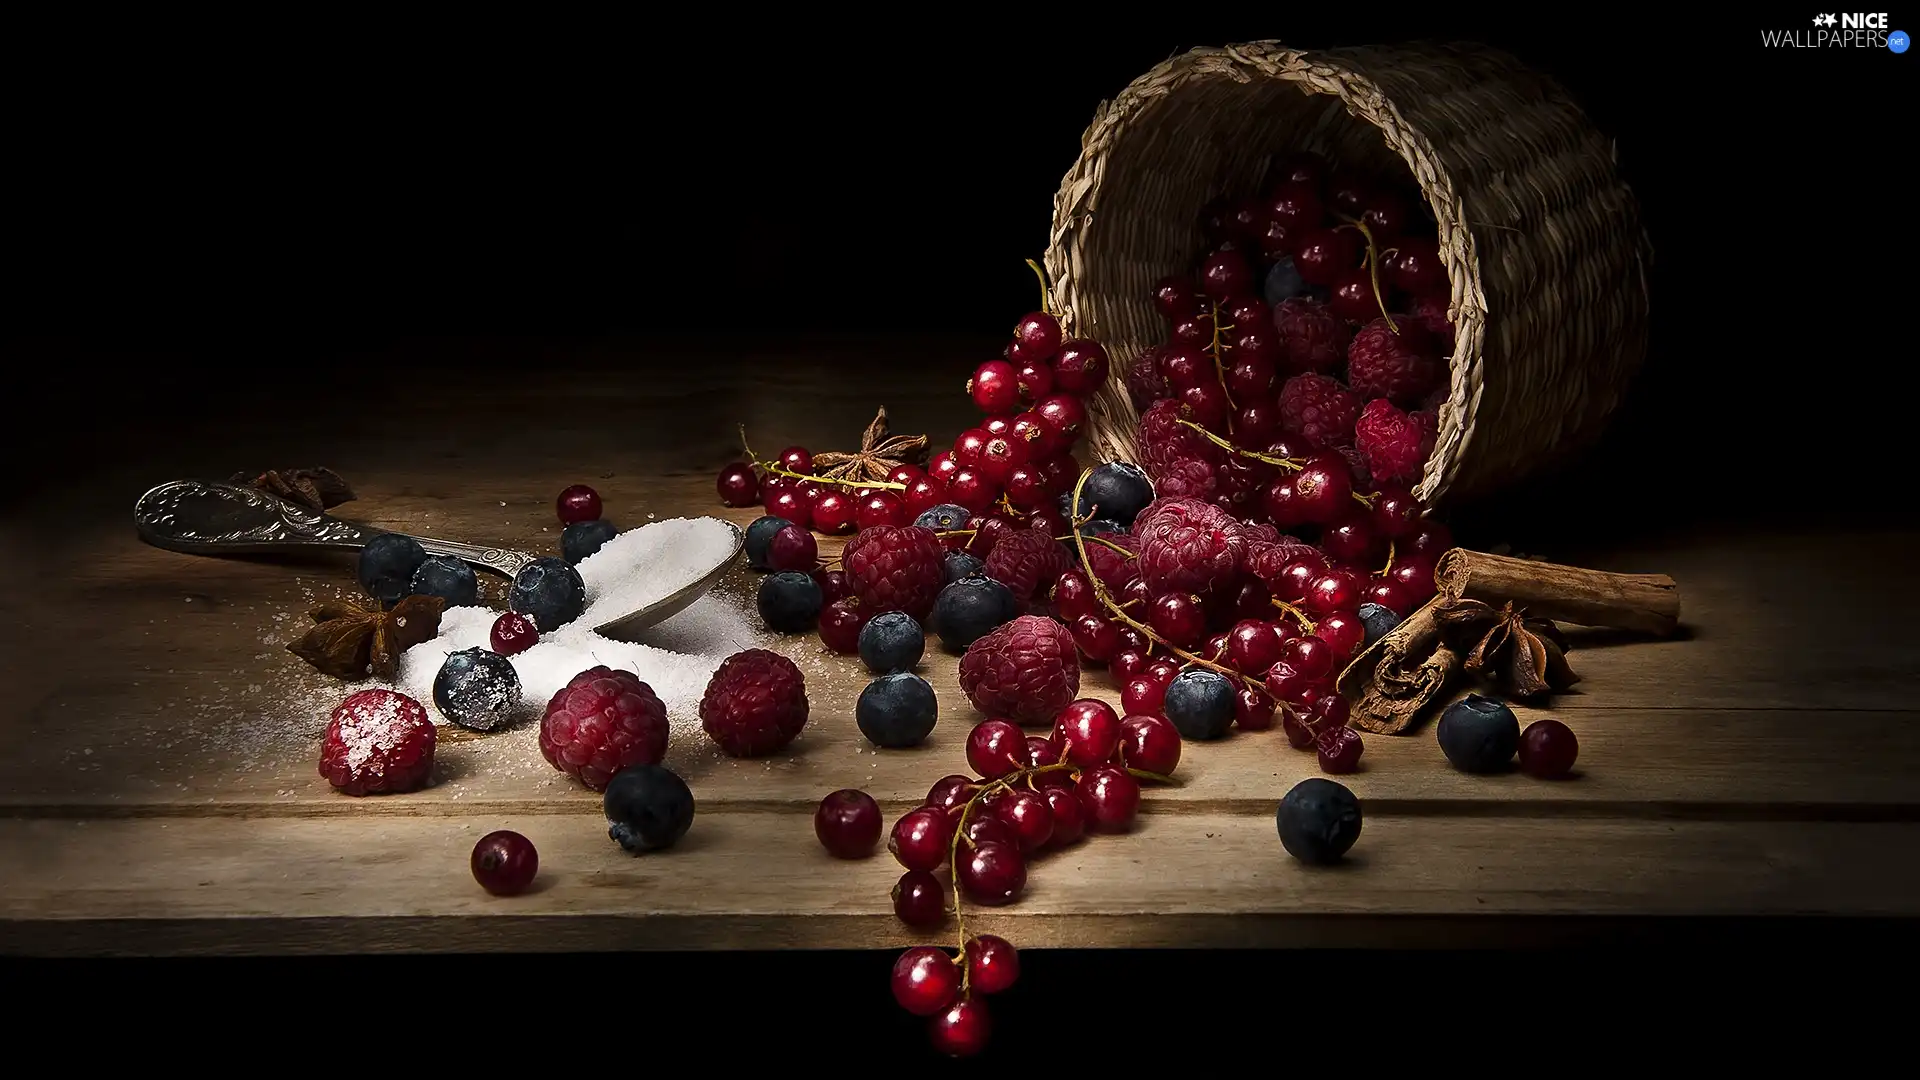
[{"x": 637, "y": 579}]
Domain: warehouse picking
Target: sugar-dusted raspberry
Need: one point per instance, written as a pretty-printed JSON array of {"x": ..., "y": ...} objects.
[
  {"x": 1162, "y": 438},
  {"x": 1312, "y": 338},
  {"x": 602, "y": 721},
  {"x": 1145, "y": 384},
  {"x": 1190, "y": 550},
  {"x": 378, "y": 742},
  {"x": 1431, "y": 313},
  {"x": 1026, "y": 671},
  {"x": 1318, "y": 409},
  {"x": 1188, "y": 478},
  {"x": 1025, "y": 561},
  {"x": 895, "y": 568},
  {"x": 1402, "y": 367},
  {"x": 755, "y": 704},
  {"x": 1391, "y": 442}
]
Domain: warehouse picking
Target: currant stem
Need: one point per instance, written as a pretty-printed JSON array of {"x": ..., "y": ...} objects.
[
  {"x": 1373, "y": 270},
  {"x": 1046, "y": 294},
  {"x": 777, "y": 470},
  {"x": 1004, "y": 783},
  {"x": 1107, "y": 543},
  {"x": 1387, "y": 569},
  {"x": 1365, "y": 500},
  {"x": 1220, "y": 367},
  {"x": 1285, "y": 463},
  {"x": 1299, "y": 616},
  {"x": 1106, "y": 600}
]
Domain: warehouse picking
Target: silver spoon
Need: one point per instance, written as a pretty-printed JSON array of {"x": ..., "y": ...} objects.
[{"x": 200, "y": 518}]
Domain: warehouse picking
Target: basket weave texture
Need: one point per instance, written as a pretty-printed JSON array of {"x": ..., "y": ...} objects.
[{"x": 1540, "y": 237}]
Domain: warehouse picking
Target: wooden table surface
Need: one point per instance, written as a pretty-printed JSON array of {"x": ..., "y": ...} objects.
[{"x": 158, "y": 791}]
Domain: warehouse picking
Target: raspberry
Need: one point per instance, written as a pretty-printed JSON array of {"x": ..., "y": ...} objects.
[
  {"x": 1190, "y": 550},
  {"x": 1431, "y": 313},
  {"x": 1026, "y": 671},
  {"x": 895, "y": 568},
  {"x": 1400, "y": 367},
  {"x": 1311, "y": 337},
  {"x": 1318, "y": 409},
  {"x": 602, "y": 721},
  {"x": 1166, "y": 506},
  {"x": 1163, "y": 439},
  {"x": 1188, "y": 478},
  {"x": 1391, "y": 442},
  {"x": 1257, "y": 532},
  {"x": 378, "y": 742},
  {"x": 1113, "y": 568},
  {"x": 1025, "y": 560},
  {"x": 1145, "y": 384},
  {"x": 755, "y": 703},
  {"x": 1266, "y": 560}
]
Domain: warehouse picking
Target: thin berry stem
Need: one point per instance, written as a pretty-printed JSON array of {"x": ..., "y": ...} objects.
[
  {"x": 1046, "y": 294},
  {"x": 777, "y": 470},
  {"x": 1220, "y": 367},
  {"x": 1288, "y": 464},
  {"x": 1105, "y": 543},
  {"x": 1387, "y": 569},
  {"x": 1373, "y": 270},
  {"x": 1306, "y": 624}
]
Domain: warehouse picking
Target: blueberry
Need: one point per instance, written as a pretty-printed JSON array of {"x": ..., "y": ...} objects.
[
  {"x": 1377, "y": 619},
  {"x": 477, "y": 689},
  {"x": 1319, "y": 820},
  {"x": 448, "y": 578},
  {"x": 583, "y": 538},
  {"x": 943, "y": 518},
  {"x": 970, "y": 609},
  {"x": 1283, "y": 282},
  {"x": 959, "y": 564},
  {"x": 760, "y": 538},
  {"x": 1479, "y": 734},
  {"x": 387, "y": 564},
  {"x": 897, "y": 710},
  {"x": 648, "y": 808},
  {"x": 891, "y": 641},
  {"x": 1117, "y": 491},
  {"x": 789, "y": 601},
  {"x": 1200, "y": 704},
  {"x": 548, "y": 591}
]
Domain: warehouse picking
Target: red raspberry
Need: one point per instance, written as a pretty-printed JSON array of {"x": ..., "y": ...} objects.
[
  {"x": 1190, "y": 550},
  {"x": 1113, "y": 568},
  {"x": 1257, "y": 532},
  {"x": 602, "y": 721},
  {"x": 1266, "y": 560},
  {"x": 1400, "y": 367},
  {"x": 1164, "y": 506},
  {"x": 378, "y": 742},
  {"x": 1163, "y": 439},
  {"x": 1185, "y": 478},
  {"x": 1312, "y": 338},
  {"x": 1395, "y": 444},
  {"x": 1026, "y": 671},
  {"x": 1026, "y": 560},
  {"x": 1431, "y": 313},
  {"x": 1318, "y": 409},
  {"x": 1145, "y": 384},
  {"x": 755, "y": 704},
  {"x": 895, "y": 568}
]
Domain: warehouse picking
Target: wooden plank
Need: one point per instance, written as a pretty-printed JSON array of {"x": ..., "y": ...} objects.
[{"x": 749, "y": 880}]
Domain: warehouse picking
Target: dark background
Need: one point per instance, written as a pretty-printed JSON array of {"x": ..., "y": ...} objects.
[{"x": 251, "y": 217}]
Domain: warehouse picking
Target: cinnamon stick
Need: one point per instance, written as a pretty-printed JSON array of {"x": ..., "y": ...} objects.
[{"x": 1393, "y": 680}]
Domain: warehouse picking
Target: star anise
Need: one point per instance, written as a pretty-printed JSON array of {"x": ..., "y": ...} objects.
[
  {"x": 1526, "y": 655},
  {"x": 880, "y": 453},
  {"x": 316, "y": 489},
  {"x": 352, "y": 640}
]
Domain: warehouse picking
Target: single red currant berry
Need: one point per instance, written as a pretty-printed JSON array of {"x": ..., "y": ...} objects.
[
  {"x": 848, "y": 824},
  {"x": 922, "y": 495},
  {"x": 1429, "y": 540},
  {"x": 841, "y": 623},
  {"x": 961, "y": 1031},
  {"x": 793, "y": 548},
  {"x": 972, "y": 490},
  {"x": 1088, "y": 732},
  {"x": 1185, "y": 366},
  {"x": 788, "y": 503},
  {"x": 1110, "y": 797},
  {"x": 513, "y": 633},
  {"x": 1343, "y": 632},
  {"x": 968, "y": 445},
  {"x": 576, "y": 504},
  {"x": 941, "y": 467},
  {"x": 1334, "y": 590},
  {"x": 905, "y": 475},
  {"x": 1036, "y": 337},
  {"x": 1322, "y": 490},
  {"x": 1041, "y": 441},
  {"x": 1098, "y": 639},
  {"x": 1252, "y": 710},
  {"x": 1324, "y": 254},
  {"x": 1071, "y": 597},
  {"x": 1081, "y": 368},
  {"x": 739, "y": 485},
  {"x": 1150, "y": 743},
  {"x": 950, "y": 793},
  {"x": 1252, "y": 646},
  {"x": 1143, "y": 696},
  {"x": 1028, "y": 815},
  {"x": 1339, "y": 750},
  {"x": 1308, "y": 656},
  {"x": 1415, "y": 575},
  {"x": 920, "y": 838},
  {"x": 1388, "y": 593},
  {"x": 834, "y": 513},
  {"x": 1395, "y": 513},
  {"x": 983, "y": 827},
  {"x": 1299, "y": 729},
  {"x": 1041, "y": 752},
  {"x": 1127, "y": 664},
  {"x": 1065, "y": 415},
  {"x": 996, "y": 748},
  {"x": 993, "y": 874},
  {"x": 1179, "y": 618},
  {"x": 1548, "y": 749},
  {"x": 1215, "y": 649},
  {"x": 1135, "y": 596},
  {"x": 1418, "y": 271},
  {"x": 1035, "y": 380},
  {"x": 504, "y": 863},
  {"x": 1351, "y": 539},
  {"x": 925, "y": 980},
  {"x": 1330, "y": 710},
  {"x": 833, "y": 584},
  {"x": 1386, "y": 215},
  {"x": 1069, "y": 817},
  {"x": 994, "y": 387},
  {"x": 1353, "y": 297},
  {"x": 919, "y": 900},
  {"x": 1000, "y": 456},
  {"x": 1027, "y": 490},
  {"x": 1162, "y": 670},
  {"x": 1226, "y": 274},
  {"x": 1174, "y": 297},
  {"x": 992, "y": 964},
  {"x": 1195, "y": 329},
  {"x": 881, "y": 508}
]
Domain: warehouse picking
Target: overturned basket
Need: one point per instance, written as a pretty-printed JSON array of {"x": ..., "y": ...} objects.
[{"x": 1541, "y": 239}]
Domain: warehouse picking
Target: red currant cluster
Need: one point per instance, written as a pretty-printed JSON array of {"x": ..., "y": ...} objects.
[
  {"x": 790, "y": 490},
  {"x": 1031, "y": 794}
]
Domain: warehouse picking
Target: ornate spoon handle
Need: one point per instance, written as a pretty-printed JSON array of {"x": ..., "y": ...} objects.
[{"x": 200, "y": 518}]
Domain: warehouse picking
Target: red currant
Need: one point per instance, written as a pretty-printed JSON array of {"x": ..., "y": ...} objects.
[
  {"x": 1036, "y": 337},
  {"x": 1065, "y": 415},
  {"x": 1206, "y": 405},
  {"x": 987, "y": 532},
  {"x": 1418, "y": 271},
  {"x": 919, "y": 900},
  {"x": 996, "y": 748},
  {"x": 994, "y": 387},
  {"x": 961, "y": 1031},
  {"x": 1215, "y": 650},
  {"x": 1081, "y": 368},
  {"x": 968, "y": 447},
  {"x": 787, "y": 502},
  {"x": 972, "y": 489},
  {"x": 1110, "y": 796},
  {"x": 513, "y": 633},
  {"x": 1179, "y": 618},
  {"x": 1127, "y": 664},
  {"x": 1548, "y": 749},
  {"x": 1388, "y": 593},
  {"x": 1429, "y": 540},
  {"x": 1299, "y": 729},
  {"x": 1323, "y": 489},
  {"x": 1351, "y": 539},
  {"x": 1142, "y": 696},
  {"x": 1252, "y": 646},
  {"x": 834, "y": 513},
  {"x": 1026, "y": 486},
  {"x": 950, "y": 793},
  {"x": 1339, "y": 750},
  {"x": 793, "y": 548},
  {"x": 905, "y": 475},
  {"x": 1088, "y": 732},
  {"x": 992, "y": 874},
  {"x": 1415, "y": 575},
  {"x": 925, "y": 980},
  {"x": 1162, "y": 670},
  {"x": 1343, "y": 633},
  {"x": 1071, "y": 596},
  {"x": 922, "y": 495},
  {"x": 1041, "y": 441},
  {"x": 941, "y": 467},
  {"x": 576, "y": 504},
  {"x": 1174, "y": 297},
  {"x": 920, "y": 839},
  {"x": 881, "y": 508},
  {"x": 1296, "y": 205},
  {"x": 992, "y": 964},
  {"x": 1333, "y": 590},
  {"x": 983, "y": 827},
  {"x": 1098, "y": 639},
  {"x": 840, "y": 625},
  {"x": 833, "y": 584},
  {"x": 1195, "y": 330},
  {"x": 1225, "y": 273},
  {"x": 1000, "y": 456},
  {"x": 847, "y": 824},
  {"x": 1386, "y": 215},
  {"x": 1028, "y": 815},
  {"x": 1041, "y": 752},
  {"x": 1395, "y": 512},
  {"x": 1252, "y": 710},
  {"x": 1150, "y": 743},
  {"x": 1069, "y": 817},
  {"x": 1324, "y": 254},
  {"x": 1250, "y": 377},
  {"x": 1307, "y": 656},
  {"x": 739, "y": 485},
  {"x": 504, "y": 863}
]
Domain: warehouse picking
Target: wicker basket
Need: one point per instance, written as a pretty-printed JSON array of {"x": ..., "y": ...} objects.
[{"x": 1541, "y": 239}]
